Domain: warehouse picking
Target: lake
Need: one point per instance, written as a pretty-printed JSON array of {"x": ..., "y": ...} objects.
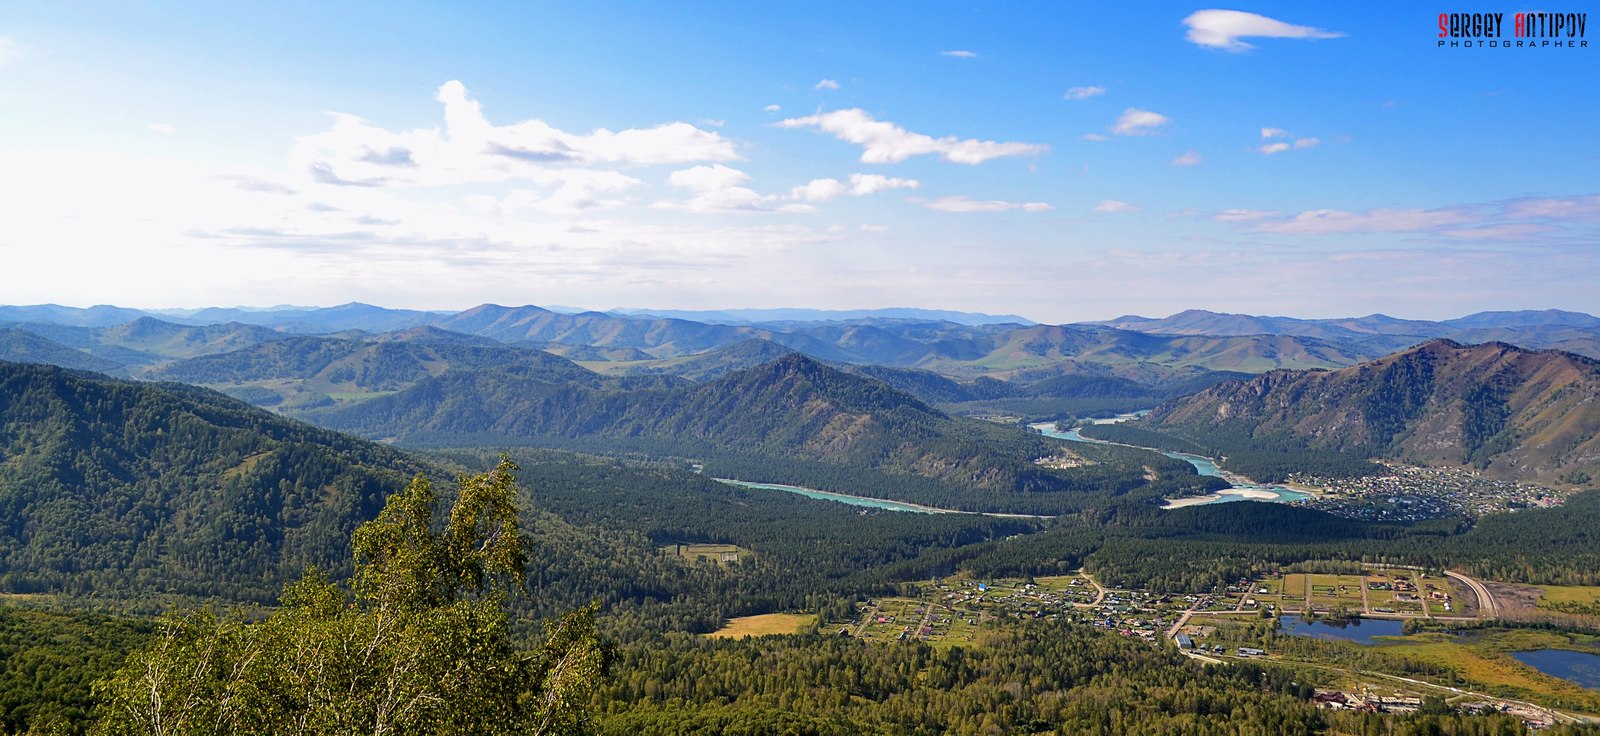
[
  {"x": 1360, "y": 631},
  {"x": 1202, "y": 465},
  {"x": 1582, "y": 668}
]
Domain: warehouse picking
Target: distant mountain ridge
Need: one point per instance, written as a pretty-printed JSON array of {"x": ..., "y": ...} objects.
[
  {"x": 1192, "y": 340},
  {"x": 764, "y": 316},
  {"x": 1573, "y": 332},
  {"x": 1514, "y": 413}
]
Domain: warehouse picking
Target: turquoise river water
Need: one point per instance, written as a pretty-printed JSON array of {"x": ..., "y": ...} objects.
[{"x": 1205, "y": 466}]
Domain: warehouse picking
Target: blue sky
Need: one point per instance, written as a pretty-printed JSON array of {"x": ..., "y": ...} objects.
[{"x": 1059, "y": 161}]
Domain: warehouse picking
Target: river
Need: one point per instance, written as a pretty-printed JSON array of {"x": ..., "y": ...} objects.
[
  {"x": 1204, "y": 465},
  {"x": 871, "y": 503}
]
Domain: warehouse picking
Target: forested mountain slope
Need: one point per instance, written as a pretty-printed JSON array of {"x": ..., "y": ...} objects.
[
  {"x": 1511, "y": 412},
  {"x": 109, "y": 486}
]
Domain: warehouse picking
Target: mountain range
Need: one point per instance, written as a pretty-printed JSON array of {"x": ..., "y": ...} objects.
[{"x": 953, "y": 343}]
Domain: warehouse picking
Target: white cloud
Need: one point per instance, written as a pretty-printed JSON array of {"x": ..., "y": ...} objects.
[
  {"x": 819, "y": 190},
  {"x": 707, "y": 178},
  {"x": 1112, "y": 205},
  {"x": 1270, "y": 133},
  {"x": 574, "y": 192},
  {"x": 884, "y": 142},
  {"x": 1306, "y": 142},
  {"x": 163, "y": 128},
  {"x": 1272, "y": 148},
  {"x": 471, "y": 149},
  {"x": 1191, "y": 158},
  {"x": 1084, "y": 93},
  {"x": 1094, "y": 137},
  {"x": 822, "y": 190},
  {"x": 827, "y": 84},
  {"x": 1138, "y": 122},
  {"x": 864, "y": 184},
  {"x": 874, "y": 228},
  {"x": 1222, "y": 29},
  {"x": 772, "y": 108},
  {"x": 960, "y": 54},
  {"x": 963, "y": 203}
]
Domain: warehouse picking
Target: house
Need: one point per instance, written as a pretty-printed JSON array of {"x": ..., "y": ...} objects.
[
  {"x": 1184, "y": 642},
  {"x": 1250, "y": 652}
]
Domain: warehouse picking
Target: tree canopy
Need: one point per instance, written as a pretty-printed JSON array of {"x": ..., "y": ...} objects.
[{"x": 420, "y": 644}]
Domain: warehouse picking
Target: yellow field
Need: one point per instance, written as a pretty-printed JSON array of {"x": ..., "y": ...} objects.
[
  {"x": 763, "y": 625},
  {"x": 1493, "y": 670}
]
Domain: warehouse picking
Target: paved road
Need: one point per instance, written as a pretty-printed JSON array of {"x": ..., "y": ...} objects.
[{"x": 1486, "y": 605}]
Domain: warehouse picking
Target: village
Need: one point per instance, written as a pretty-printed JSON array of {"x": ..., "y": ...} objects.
[
  {"x": 1410, "y": 493},
  {"x": 953, "y": 612}
]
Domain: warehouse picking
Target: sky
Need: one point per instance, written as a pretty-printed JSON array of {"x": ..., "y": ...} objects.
[{"x": 1062, "y": 161}]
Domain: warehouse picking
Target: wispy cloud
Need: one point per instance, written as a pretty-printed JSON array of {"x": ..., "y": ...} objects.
[
  {"x": 1113, "y": 205},
  {"x": 1188, "y": 159},
  {"x": 1510, "y": 218},
  {"x": 772, "y": 108},
  {"x": 962, "y": 203},
  {"x": 1269, "y": 149},
  {"x": 1084, "y": 93},
  {"x": 884, "y": 142},
  {"x": 1239, "y": 215},
  {"x": 9, "y": 50},
  {"x": 960, "y": 54},
  {"x": 1138, "y": 122},
  {"x": 827, "y": 84},
  {"x": 1222, "y": 29},
  {"x": 162, "y": 128}
]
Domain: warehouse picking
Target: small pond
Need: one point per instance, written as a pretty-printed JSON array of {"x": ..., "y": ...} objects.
[{"x": 1360, "y": 631}]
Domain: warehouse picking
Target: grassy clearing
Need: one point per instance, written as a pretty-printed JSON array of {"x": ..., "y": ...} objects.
[
  {"x": 1585, "y": 595},
  {"x": 764, "y": 625},
  {"x": 721, "y": 554},
  {"x": 358, "y": 395},
  {"x": 14, "y": 599}
]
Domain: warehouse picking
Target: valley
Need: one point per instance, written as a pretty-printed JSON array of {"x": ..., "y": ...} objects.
[{"x": 723, "y": 493}]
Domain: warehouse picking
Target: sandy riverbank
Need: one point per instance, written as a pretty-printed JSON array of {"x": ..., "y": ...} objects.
[{"x": 1249, "y": 493}]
